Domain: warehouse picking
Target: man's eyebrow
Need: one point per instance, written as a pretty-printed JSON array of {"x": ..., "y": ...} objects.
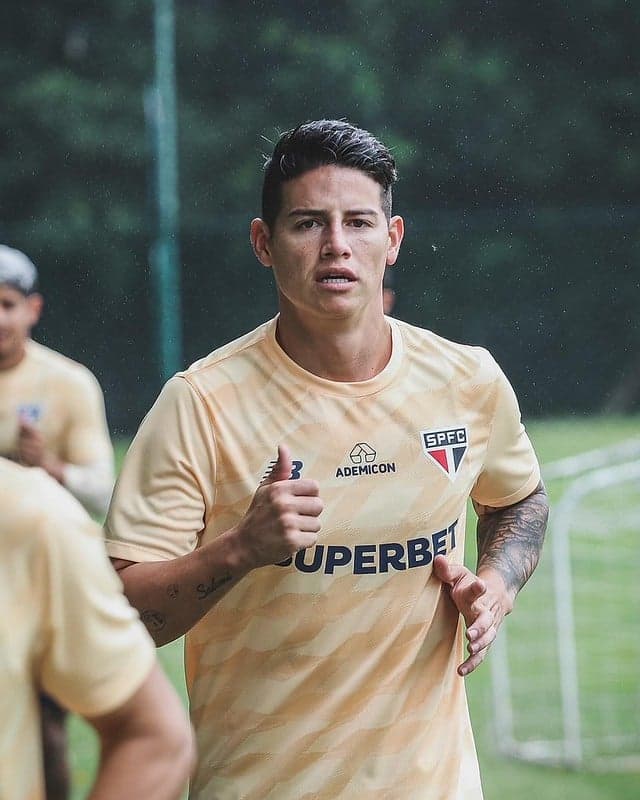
[{"x": 319, "y": 212}]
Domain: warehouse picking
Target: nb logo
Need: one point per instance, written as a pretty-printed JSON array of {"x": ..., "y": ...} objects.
[{"x": 296, "y": 470}]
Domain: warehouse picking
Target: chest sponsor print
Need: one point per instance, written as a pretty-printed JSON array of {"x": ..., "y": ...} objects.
[{"x": 446, "y": 447}]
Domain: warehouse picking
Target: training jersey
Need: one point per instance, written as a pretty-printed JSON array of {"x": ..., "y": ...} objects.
[
  {"x": 65, "y": 626},
  {"x": 62, "y": 398},
  {"x": 333, "y": 674}
]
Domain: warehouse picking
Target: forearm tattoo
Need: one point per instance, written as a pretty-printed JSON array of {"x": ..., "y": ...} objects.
[
  {"x": 154, "y": 621},
  {"x": 510, "y": 539},
  {"x": 205, "y": 589}
]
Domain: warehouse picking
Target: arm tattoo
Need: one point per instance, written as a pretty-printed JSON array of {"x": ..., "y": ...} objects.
[
  {"x": 153, "y": 620},
  {"x": 510, "y": 539},
  {"x": 205, "y": 589}
]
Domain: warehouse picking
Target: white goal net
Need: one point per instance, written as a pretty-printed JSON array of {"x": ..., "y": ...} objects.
[{"x": 566, "y": 666}]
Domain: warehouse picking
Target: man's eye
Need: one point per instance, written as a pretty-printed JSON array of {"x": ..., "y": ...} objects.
[
  {"x": 307, "y": 224},
  {"x": 359, "y": 223}
]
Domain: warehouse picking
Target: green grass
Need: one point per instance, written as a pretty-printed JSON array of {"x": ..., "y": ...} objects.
[{"x": 502, "y": 777}]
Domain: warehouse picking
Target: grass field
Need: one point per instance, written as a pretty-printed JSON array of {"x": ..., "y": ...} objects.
[{"x": 503, "y": 778}]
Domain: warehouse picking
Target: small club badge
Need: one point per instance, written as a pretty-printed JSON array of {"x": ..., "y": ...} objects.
[
  {"x": 446, "y": 447},
  {"x": 29, "y": 412}
]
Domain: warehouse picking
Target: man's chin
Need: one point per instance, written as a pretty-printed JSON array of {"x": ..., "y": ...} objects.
[{"x": 9, "y": 354}]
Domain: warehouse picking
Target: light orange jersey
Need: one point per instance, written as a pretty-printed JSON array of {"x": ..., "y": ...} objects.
[
  {"x": 62, "y": 398},
  {"x": 65, "y": 626},
  {"x": 332, "y": 675}
]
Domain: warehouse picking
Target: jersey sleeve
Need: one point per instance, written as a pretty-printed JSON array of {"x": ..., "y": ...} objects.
[
  {"x": 87, "y": 438},
  {"x": 166, "y": 486},
  {"x": 95, "y": 652},
  {"x": 510, "y": 471}
]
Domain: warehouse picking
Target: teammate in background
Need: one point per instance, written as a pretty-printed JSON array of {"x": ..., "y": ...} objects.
[
  {"x": 388, "y": 292},
  {"x": 51, "y": 408},
  {"x": 322, "y": 590},
  {"x": 51, "y": 416},
  {"x": 67, "y": 629}
]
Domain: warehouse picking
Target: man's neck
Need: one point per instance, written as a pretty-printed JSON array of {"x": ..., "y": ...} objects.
[
  {"x": 335, "y": 351},
  {"x": 12, "y": 359}
]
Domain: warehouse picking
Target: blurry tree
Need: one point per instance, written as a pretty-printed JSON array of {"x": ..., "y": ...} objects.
[{"x": 514, "y": 126}]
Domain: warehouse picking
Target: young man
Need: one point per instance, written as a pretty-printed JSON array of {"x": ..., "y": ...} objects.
[
  {"x": 67, "y": 629},
  {"x": 325, "y": 608},
  {"x": 388, "y": 292},
  {"x": 51, "y": 408},
  {"x": 51, "y": 416}
]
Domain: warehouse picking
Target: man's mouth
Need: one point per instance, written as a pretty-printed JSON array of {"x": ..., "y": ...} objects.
[{"x": 335, "y": 279}]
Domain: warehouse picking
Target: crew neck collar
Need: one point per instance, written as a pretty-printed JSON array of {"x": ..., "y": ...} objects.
[{"x": 338, "y": 388}]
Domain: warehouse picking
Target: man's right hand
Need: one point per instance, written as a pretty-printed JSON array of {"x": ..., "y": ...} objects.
[{"x": 282, "y": 517}]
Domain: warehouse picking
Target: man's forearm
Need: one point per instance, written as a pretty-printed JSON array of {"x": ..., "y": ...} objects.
[
  {"x": 172, "y": 596},
  {"x": 510, "y": 539},
  {"x": 91, "y": 484}
]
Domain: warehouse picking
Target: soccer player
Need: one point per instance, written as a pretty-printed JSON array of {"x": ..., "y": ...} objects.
[
  {"x": 388, "y": 292},
  {"x": 67, "y": 629},
  {"x": 51, "y": 408},
  {"x": 52, "y": 416},
  {"x": 295, "y": 502}
]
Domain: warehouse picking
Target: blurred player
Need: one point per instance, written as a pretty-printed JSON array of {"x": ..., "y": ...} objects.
[
  {"x": 326, "y": 662},
  {"x": 51, "y": 408},
  {"x": 388, "y": 292},
  {"x": 51, "y": 416},
  {"x": 67, "y": 629}
]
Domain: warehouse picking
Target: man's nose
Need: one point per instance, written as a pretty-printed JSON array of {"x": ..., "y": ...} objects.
[{"x": 335, "y": 242}]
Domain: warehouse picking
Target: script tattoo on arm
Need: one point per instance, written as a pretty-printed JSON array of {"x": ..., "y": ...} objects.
[
  {"x": 510, "y": 539},
  {"x": 205, "y": 589}
]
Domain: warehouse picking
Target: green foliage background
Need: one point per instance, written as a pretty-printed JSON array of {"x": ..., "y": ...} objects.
[{"x": 515, "y": 129}]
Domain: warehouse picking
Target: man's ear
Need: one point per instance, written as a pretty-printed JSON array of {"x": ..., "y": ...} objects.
[
  {"x": 396, "y": 233},
  {"x": 35, "y": 302},
  {"x": 260, "y": 241}
]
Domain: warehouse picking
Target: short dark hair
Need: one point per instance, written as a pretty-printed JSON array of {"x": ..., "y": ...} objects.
[{"x": 319, "y": 143}]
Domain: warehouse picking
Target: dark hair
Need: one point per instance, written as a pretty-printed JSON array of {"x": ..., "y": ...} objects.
[{"x": 319, "y": 143}]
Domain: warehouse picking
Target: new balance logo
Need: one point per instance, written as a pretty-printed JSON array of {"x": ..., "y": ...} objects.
[{"x": 296, "y": 470}]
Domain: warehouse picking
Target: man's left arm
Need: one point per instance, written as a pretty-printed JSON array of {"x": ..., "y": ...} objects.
[{"x": 509, "y": 545}]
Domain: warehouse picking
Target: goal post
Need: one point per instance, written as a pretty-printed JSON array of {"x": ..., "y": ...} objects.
[{"x": 565, "y": 681}]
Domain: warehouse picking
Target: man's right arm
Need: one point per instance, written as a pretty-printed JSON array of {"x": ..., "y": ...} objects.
[
  {"x": 146, "y": 745},
  {"x": 172, "y": 596}
]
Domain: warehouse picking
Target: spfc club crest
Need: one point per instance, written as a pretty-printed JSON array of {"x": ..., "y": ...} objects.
[
  {"x": 29, "y": 412},
  {"x": 446, "y": 447}
]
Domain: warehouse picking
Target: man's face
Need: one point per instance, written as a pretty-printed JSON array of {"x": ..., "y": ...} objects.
[
  {"x": 18, "y": 314},
  {"x": 330, "y": 244}
]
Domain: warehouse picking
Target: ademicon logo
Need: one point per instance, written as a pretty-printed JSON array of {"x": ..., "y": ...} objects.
[{"x": 363, "y": 462}]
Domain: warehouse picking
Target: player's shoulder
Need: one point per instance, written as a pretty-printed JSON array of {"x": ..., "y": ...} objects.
[
  {"x": 54, "y": 364},
  {"x": 233, "y": 357},
  {"x": 34, "y": 504},
  {"x": 466, "y": 360}
]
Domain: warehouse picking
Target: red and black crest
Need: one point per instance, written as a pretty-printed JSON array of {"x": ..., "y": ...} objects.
[{"x": 446, "y": 447}]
